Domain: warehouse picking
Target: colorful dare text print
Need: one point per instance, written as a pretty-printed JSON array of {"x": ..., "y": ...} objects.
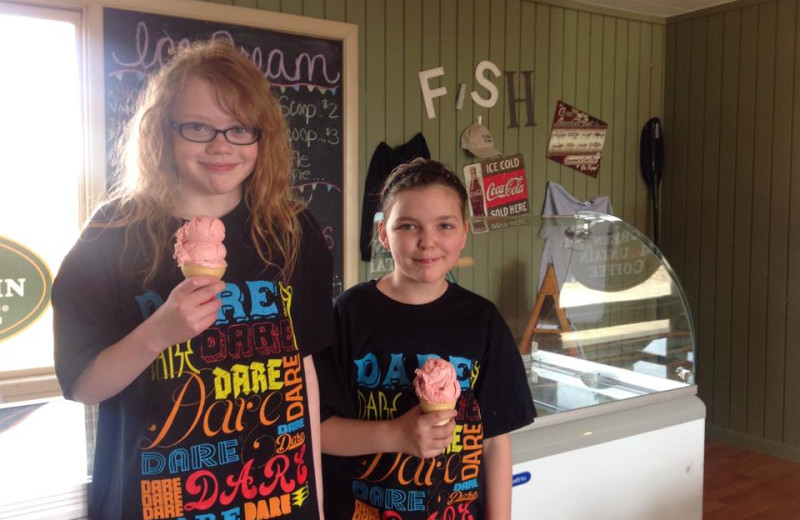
[
  {"x": 229, "y": 440},
  {"x": 392, "y": 486}
]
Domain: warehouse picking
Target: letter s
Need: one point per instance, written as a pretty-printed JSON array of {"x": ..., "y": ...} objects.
[{"x": 486, "y": 83}]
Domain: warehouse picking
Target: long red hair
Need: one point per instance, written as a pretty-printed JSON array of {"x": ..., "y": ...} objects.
[{"x": 148, "y": 176}]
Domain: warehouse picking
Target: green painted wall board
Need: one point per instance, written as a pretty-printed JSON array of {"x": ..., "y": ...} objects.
[
  {"x": 693, "y": 182},
  {"x": 779, "y": 229},
  {"x": 791, "y": 414},
  {"x": 743, "y": 208},
  {"x": 723, "y": 364},
  {"x": 741, "y": 270},
  {"x": 413, "y": 107},
  {"x": 762, "y": 174},
  {"x": 712, "y": 114}
]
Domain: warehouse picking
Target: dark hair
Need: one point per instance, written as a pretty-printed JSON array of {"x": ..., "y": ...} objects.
[{"x": 420, "y": 173}]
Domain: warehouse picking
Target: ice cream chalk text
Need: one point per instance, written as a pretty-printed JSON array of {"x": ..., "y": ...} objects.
[{"x": 151, "y": 55}]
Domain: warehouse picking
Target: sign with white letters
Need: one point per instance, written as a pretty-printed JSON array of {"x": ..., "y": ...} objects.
[
  {"x": 25, "y": 284},
  {"x": 504, "y": 190},
  {"x": 576, "y": 139}
]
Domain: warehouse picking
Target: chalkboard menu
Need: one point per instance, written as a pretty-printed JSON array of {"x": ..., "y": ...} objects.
[{"x": 306, "y": 76}]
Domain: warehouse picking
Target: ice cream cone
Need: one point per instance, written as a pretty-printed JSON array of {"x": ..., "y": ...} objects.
[
  {"x": 190, "y": 270},
  {"x": 436, "y": 386},
  {"x": 428, "y": 407},
  {"x": 199, "y": 250}
]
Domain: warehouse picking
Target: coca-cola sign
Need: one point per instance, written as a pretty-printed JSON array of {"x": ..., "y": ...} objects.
[
  {"x": 498, "y": 193},
  {"x": 505, "y": 186},
  {"x": 512, "y": 187}
]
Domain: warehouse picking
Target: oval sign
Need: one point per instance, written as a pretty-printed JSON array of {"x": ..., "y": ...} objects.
[
  {"x": 612, "y": 258},
  {"x": 520, "y": 478},
  {"x": 25, "y": 284}
]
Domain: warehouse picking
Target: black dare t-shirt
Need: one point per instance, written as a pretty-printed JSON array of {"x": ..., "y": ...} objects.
[
  {"x": 218, "y": 426},
  {"x": 368, "y": 375}
]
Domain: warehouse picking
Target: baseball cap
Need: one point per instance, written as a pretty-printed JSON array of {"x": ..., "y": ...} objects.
[{"x": 477, "y": 140}]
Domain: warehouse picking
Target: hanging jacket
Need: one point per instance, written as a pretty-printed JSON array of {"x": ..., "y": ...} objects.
[{"x": 384, "y": 160}]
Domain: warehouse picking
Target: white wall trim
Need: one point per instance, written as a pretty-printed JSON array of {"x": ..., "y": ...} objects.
[{"x": 69, "y": 504}]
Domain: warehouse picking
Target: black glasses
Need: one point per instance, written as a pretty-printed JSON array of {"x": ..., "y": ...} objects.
[{"x": 200, "y": 133}]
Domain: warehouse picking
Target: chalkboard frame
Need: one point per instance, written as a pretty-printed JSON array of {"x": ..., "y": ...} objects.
[{"x": 343, "y": 32}]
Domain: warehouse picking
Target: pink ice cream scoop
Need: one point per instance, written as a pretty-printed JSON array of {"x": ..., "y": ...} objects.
[
  {"x": 436, "y": 385},
  {"x": 199, "y": 249}
]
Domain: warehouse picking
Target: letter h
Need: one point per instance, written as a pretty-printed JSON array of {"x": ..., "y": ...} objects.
[{"x": 513, "y": 101}]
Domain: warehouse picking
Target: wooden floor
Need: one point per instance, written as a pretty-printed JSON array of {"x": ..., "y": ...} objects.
[{"x": 745, "y": 485}]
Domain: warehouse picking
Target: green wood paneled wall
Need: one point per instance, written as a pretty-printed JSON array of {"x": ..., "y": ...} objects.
[
  {"x": 731, "y": 202},
  {"x": 608, "y": 65}
]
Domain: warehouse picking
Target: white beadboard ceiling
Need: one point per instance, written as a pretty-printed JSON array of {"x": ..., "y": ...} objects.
[{"x": 660, "y": 8}]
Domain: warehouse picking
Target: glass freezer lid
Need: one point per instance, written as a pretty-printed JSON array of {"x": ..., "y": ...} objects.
[{"x": 608, "y": 319}]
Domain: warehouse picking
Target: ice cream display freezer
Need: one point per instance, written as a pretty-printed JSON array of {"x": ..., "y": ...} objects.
[{"x": 609, "y": 349}]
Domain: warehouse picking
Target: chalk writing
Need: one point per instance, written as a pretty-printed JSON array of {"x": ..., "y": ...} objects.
[{"x": 306, "y": 77}]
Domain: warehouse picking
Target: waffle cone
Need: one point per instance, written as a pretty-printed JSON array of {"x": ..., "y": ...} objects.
[
  {"x": 428, "y": 407},
  {"x": 190, "y": 270}
]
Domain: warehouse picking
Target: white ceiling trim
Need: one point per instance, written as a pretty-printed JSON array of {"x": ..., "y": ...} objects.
[{"x": 659, "y": 8}]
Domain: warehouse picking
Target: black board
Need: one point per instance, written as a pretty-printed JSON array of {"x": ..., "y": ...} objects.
[{"x": 306, "y": 75}]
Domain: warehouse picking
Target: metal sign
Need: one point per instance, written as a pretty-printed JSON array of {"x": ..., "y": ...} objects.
[{"x": 25, "y": 285}]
